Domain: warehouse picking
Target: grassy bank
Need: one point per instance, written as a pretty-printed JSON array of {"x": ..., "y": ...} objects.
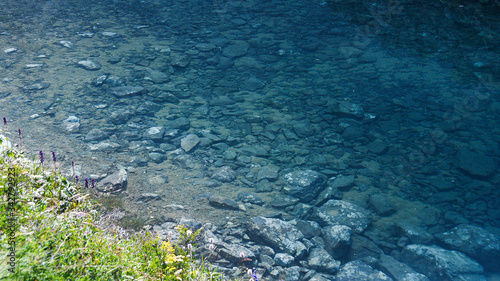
[{"x": 50, "y": 230}]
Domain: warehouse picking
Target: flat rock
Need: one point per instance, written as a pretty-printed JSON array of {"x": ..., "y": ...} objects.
[
  {"x": 320, "y": 260},
  {"x": 125, "y": 91},
  {"x": 36, "y": 86},
  {"x": 338, "y": 212},
  {"x": 358, "y": 270},
  {"x": 117, "y": 181},
  {"x": 280, "y": 235},
  {"x": 89, "y": 65},
  {"x": 305, "y": 185},
  {"x": 237, "y": 49},
  {"x": 440, "y": 264},
  {"x": 474, "y": 163},
  {"x": 189, "y": 142},
  {"x": 224, "y": 174},
  {"x": 476, "y": 242},
  {"x": 222, "y": 202}
]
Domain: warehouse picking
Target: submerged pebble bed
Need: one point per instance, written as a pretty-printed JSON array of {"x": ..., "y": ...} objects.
[{"x": 319, "y": 121}]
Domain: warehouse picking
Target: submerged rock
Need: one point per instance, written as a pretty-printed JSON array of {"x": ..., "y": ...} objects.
[
  {"x": 476, "y": 242},
  {"x": 280, "y": 235},
  {"x": 36, "y": 86},
  {"x": 338, "y": 212},
  {"x": 89, "y": 65},
  {"x": 125, "y": 91},
  {"x": 304, "y": 185},
  {"x": 440, "y": 264},
  {"x": 358, "y": 270},
  {"x": 189, "y": 142},
  {"x": 114, "y": 182},
  {"x": 474, "y": 163}
]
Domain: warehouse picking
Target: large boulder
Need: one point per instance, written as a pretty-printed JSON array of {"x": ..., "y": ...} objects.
[
  {"x": 338, "y": 212},
  {"x": 440, "y": 264},
  {"x": 280, "y": 235},
  {"x": 476, "y": 242}
]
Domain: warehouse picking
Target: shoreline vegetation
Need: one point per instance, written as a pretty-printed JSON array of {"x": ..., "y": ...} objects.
[{"x": 53, "y": 225}]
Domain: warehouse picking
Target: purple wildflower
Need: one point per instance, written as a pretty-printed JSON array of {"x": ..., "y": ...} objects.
[
  {"x": 54, "y": 156},
  {"x": 86, "y": 183},
  {"x": 19, "y": 131},
  {"x": 5, "y": 121},
  {"x": 41, "y": 157},
  {"x": 76, "y": 179},
  {"x": 93, "y": 183},
  {"x": 254, "y": 274}
]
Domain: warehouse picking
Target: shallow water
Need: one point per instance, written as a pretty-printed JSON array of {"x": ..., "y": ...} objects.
[{"x": 401, "y": 96}]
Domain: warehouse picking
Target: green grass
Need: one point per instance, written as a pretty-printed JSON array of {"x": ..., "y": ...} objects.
[{"x": 58, "y": 235}]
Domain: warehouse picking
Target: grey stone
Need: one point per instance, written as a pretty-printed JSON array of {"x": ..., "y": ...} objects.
[
  {"x": 237, "y": 49},
  {"x": 96, "y": 135},
  {"x": 320, "y": 260},
  {"x": 337, "y": 239},
  {"x": 264, "y": 186},
  {"x": 155, "y": 133},
  {"x": 283, "y": 201},
  {"x": 248, "y": 197},
  {"x": 89, "y": 65},
  {"x": 416, "y": 234},
  {"x": 158, "y": 77},
  {"x": 115, "y": 182},
  {"x": 353, "y": 132},
  {"x": 342, "y": 182},
  {"x": 400, "y": 271},
  {"x": 120, "y": 117},
  {"x": 338, "y": 212},
  {"x": 104, "y": 146},
  {"x": 255, "y": 150},
  {"x": 253, "y": 84},
  {"x": 232, "y": 252},
  {"x": 179, "y": 123},
  {"x": 157, "y": 156},
  {"x": 189, "y": 142},
  {"x": 310, "y": 229},
  {"x": 454, "y": 218},
  {"x": 36, "y": 86},
  {"x": 358, "y": 270},
  {"x": 185, "y": 161},
  {"x": 224, "y": 174},
  {"x": 303, "y": 129},
  {"x": 476, "y": 242},
  {"x": 381, "y": 205},
  {"x": 283, "y": 259},
  {"x": 326, "y": 194},
  {"x": 149, "y": 197},
  {"x": 280, "y": 235},
  {"x": 305, "y": 185},
  {"x": 377, "y": 147},
  {"x": 126, "y": 91},
  {"x": 474, "y": 163},
  {"x": 269, "y": 172},
  {"x": 363, "y": 248},
  {"x": 205, "y": 47},
  {"x": 438, "y": 263},
  {"x": 72, "y": 124},
  {"x": 222, "y": 202},
  {"x": 349, "y": 110}
]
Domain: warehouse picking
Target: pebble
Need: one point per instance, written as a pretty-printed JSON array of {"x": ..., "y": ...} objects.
[
  {"x": 89, "y": 65},
  {"x": 33, "y": 65},
  {"x": 10, "y": 50},
  {"x": 66, "y": 43}
]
